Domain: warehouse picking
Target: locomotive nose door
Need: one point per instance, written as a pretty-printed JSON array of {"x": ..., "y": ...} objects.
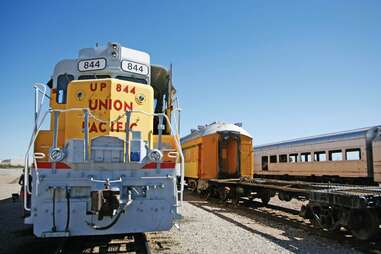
[{"x": 229, "y": 155}]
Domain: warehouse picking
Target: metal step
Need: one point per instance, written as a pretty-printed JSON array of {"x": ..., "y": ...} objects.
[{"x": 55, "y": 234}]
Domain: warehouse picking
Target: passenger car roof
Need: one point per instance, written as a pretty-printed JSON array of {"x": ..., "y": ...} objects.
[
  {"x": 212, "y": 128},
  {"x": 330, "y": 137}
]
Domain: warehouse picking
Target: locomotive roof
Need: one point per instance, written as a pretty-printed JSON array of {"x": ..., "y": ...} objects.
[
  {"x": 214, "y": 128},
  {"x": 112, "y": 55},
  {"x": 367, "y": 132}
]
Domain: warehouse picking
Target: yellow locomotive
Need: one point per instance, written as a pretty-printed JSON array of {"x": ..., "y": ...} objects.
[{"x": 108, "y": 162}]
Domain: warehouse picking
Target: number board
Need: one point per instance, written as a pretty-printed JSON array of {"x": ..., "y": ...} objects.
[
  {"x": 92, "y": 64},
  {"x": 133, "y": 67}
]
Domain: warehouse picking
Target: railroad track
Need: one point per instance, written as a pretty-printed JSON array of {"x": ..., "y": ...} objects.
[
  {"x": 281, "y": 215},
  {"x": 134, "y": 243},
  {"x": 18, "y": 238}
]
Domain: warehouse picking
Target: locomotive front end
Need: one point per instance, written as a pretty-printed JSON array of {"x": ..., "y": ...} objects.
[{"x": 107, "y": 164}]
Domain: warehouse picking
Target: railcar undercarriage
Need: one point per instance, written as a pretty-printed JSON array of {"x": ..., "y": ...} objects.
[{"x": 329, "y": 207}]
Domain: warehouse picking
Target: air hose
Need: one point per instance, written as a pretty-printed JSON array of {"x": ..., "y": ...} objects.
[
  {"x": 54, "y": 228},
  {"x": 116, "y": 218},
  {"x": 67, "y": 209}
]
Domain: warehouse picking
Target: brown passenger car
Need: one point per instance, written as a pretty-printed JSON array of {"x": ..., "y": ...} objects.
[{"x": 351, "y": 156}]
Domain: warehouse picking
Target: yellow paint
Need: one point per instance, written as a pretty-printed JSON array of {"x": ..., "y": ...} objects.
[
  {"x": 201, "y": 157},
  {"x": 109, "y": 98},
  {"x": 168, "y": 145},
  {"x": 247, "y": 156}
]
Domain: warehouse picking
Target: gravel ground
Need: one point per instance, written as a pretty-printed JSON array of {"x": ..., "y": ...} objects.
[
  {"x": 206, "y": 228},
  {"x": 9, "y": 179},
  {"x": 213, "y": 228}
]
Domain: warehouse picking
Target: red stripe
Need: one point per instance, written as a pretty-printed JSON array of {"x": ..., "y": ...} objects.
[
  {"x": 153, "y": 165},
  {"x": 49, "y": 165},
  {"x": 61, "y": 165}
]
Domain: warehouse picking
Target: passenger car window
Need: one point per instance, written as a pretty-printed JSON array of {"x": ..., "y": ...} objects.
[
  {"x": 62, "y": 81},
  {"x": 265, "y": 163},
  {"x": 353, "y": 154},
  {"x": 293, "y": 157},
  {"x": 273, "y": 159},
  {"x": 335, "y": 155},
  {"x": 283, "y": 158},
  {"x": 305, "y": 157},
  {"x": 320, "y": 156}
]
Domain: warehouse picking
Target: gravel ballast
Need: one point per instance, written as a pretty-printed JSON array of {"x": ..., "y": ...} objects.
[{"x": 213, "y": 228}]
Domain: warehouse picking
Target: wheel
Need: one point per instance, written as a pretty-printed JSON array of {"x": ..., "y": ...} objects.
[
  {"x": 364, "y": 224},
  {"x": 325, "y": 217},
  {"x": 193, "y": 185},
  {"x": 223, "y": 193},
  {"x": 211, "y": 193},
  {"x": 265, "y": 198},
  {"x": 284, "y": 196}
]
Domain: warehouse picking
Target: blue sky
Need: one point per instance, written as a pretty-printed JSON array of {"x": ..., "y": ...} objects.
[{"x": 285, "y": 69}]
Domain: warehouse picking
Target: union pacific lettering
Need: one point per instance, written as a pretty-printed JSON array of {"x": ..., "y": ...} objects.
[
  {"x": 104, "y": 127},
  {"x": 119, "y": 87},
  {"x": 110, "y": 104}
]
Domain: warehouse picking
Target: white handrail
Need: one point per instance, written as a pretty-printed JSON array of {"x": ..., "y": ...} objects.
[
  {"x": 173, "y": 130},
  {"x": 26, "y": 161}
]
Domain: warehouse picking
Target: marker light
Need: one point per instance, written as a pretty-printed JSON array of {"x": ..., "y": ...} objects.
[
  {"x": 155, "y": 155},
  {"x": 56, "y": 154},
  {"x": 140, "y": 98}
]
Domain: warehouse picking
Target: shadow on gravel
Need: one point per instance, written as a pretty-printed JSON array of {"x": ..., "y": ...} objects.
[
  {"x": 17, "y": 238},
  {"x": 270, "y": 217}
]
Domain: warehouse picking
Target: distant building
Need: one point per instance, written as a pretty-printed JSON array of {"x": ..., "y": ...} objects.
[
  {"x": 12, "y": 162},
  {"x": 7, "y": 161}
]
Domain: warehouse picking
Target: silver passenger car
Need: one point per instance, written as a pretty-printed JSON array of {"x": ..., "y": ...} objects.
[{"x": 349, "y": 156}]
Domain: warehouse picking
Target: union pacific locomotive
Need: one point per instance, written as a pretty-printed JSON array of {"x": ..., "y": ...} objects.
[{"x": 108, "y": 162}]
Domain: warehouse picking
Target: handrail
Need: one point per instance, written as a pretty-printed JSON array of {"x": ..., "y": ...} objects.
[
  {"x": 26, "y": 161},
  {"x": 88, "y": 113}
]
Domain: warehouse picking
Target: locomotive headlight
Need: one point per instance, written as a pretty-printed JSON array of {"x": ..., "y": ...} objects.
[
  {"x": 56, "y": 154},
  {"x": 155, "y": 155},
  {"x": 114, "y": 54}
]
